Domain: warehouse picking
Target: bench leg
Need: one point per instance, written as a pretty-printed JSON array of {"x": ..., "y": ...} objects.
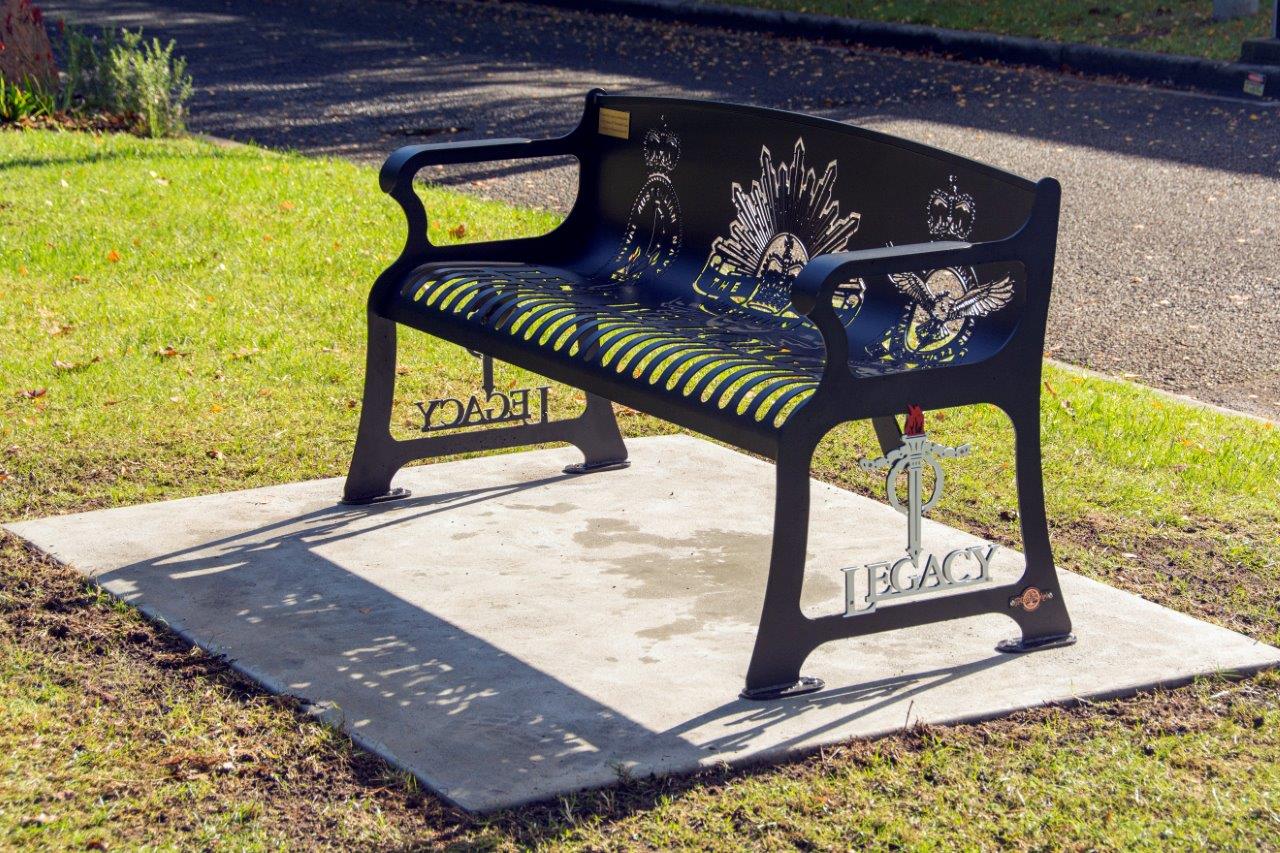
[
  {"x": 375, "y": 460},
  {"x": 888, "y": 433},
  {"x": 1045, "y": 623},
  {"x": 784, "y": 640},
  {"x": 599, "y": 438},
  {"x": 378, "y": 456}
]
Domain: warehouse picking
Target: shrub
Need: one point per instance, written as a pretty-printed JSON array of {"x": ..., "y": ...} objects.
[
  {"x": 113, "y": 71},
  {"x": 119, "y": 72},
  {"x": 25, "y": 53}
]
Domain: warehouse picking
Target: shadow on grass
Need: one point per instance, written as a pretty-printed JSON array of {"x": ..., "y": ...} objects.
[{"x": 107, "y": 156}]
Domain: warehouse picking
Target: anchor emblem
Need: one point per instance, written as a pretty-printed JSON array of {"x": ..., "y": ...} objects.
[{"x": 890, "y": 579}]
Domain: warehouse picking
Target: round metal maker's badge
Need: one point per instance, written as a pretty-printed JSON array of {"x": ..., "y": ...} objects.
[{"x": 1030, "y": 599}]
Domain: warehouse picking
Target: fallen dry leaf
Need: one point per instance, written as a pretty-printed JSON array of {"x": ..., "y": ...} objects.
[
  {"x": 286, "y": 205},
  {"x": 244, "y": 352},
  {"x": 170, "y": 352},
  {"x": 402, "y": 371},
  {"x": 215, "y": 454},
  {"x": 264, "y": 392},
  {"x": 33, "y": 393},
  {"x": 458, "y": 231},
  {"x": 75, "y": 365},
  {"x": 113, "y": 256}
]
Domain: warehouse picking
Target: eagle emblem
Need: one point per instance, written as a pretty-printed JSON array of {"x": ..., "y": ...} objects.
[
  {"x": 942, "y": 313},
  {"x": 944, "y": 303}
]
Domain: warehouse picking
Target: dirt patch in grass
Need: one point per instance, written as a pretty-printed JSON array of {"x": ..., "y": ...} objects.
[
  {"x": 90, "y": 123},
  {"x": 1218, "y": 572}
]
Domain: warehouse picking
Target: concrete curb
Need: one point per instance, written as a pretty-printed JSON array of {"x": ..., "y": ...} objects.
[{"x": 1222, "y": 78}]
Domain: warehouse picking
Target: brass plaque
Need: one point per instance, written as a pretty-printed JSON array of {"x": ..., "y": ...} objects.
[{"x": 615, "y": 123}]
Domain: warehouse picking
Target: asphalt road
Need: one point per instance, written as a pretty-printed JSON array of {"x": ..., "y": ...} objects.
[{"x": 1169, "y": 258}]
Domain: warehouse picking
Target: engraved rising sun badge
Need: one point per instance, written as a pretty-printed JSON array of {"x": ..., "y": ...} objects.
[
  {"x": 917, "y": 573},
  {"x": 787, "y": 216}
]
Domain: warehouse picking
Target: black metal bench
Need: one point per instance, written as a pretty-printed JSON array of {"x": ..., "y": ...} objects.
[{"x": 759, "y": 277}]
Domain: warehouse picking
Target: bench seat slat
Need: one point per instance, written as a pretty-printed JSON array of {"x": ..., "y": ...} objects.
[{"x": 670, "y": 348}]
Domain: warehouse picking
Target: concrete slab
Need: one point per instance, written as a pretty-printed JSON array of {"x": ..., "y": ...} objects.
[{"x": 511, "y": 633}]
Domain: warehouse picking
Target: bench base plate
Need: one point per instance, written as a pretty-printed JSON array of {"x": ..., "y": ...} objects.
[
  {"x": 806, "y": 684},
  {"x": 585, "y": 468},
  {"x": 1019, "y": 646},
  {"x": 510, "y": 633},
  {"x": 393, "y": 495}
]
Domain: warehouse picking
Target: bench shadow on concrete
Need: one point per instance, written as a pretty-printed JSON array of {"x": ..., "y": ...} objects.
[{"x": 420, "y": 689}]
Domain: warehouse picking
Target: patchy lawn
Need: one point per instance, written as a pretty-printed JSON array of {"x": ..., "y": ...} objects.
[
  {"x": 1162, "y": 26},
  {"x": 183, "y": 319}
]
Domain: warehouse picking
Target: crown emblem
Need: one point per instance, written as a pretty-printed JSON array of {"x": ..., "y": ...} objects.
[
  {"x": 951, "y": 213},
  {"x": 661, "y": 148}
]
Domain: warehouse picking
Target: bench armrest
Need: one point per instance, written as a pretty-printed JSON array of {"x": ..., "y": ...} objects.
[
  {"x": 404, "y": 163},
  {"x": 820, "y": 277},
  {"x": 396, "y": 180}
]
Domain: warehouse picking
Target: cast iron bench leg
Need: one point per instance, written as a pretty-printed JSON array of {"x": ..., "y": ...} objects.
[
  {"x": 786, "y": 636},
  {"x": 1048, "y": 625},
  {"x": 784, "y": 640},
  {"x": 375, "y": 461},
  {"x": 888, "y": 433},
  {"x": 378, "y": 456}
]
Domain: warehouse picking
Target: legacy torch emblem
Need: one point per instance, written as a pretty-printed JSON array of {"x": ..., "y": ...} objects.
[{"x": 917, "y": 573}]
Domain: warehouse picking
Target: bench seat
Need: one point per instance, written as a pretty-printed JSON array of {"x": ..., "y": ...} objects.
[{"x": 742, "y": 363}]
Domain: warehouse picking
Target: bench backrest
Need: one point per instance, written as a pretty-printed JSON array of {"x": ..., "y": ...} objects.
[{"x": 736, "y": 199}]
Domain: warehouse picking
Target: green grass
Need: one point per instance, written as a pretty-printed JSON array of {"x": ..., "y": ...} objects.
[
  {"x": 182, "y": 319},
  {"x": 1163, "y": 26}
]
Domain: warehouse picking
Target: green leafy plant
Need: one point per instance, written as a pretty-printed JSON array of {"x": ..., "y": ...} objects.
[
  {"x": 146, "y": 79},
  {"x": 111, "y": 71},
  {"x": 26, "y": 99},
  {"x": 83, "y": 61}
]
